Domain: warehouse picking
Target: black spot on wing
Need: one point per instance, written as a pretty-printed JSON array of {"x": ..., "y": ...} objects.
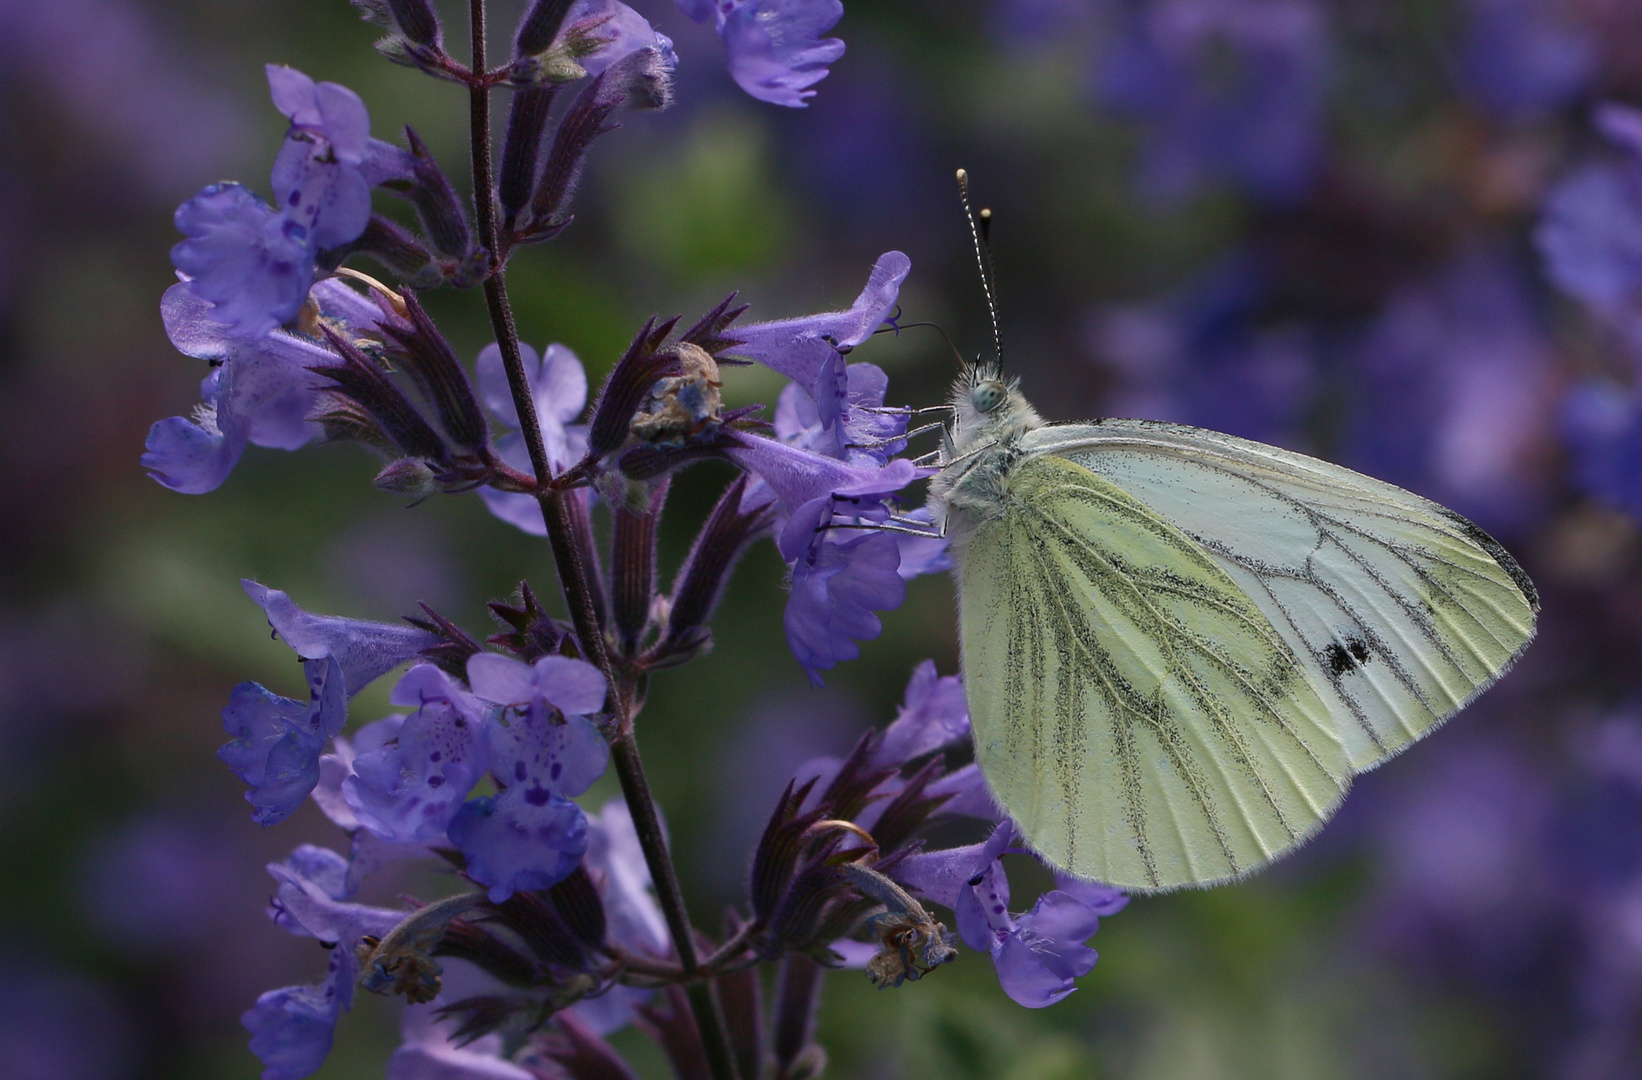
[{"x": 1347, "y": 656}]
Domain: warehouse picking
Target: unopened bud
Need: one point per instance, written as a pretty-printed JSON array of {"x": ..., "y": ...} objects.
[
  {"x": 407, "y": 476},
  {"x": 417, "y": 20},
  {"x": 540, "y": 26}
]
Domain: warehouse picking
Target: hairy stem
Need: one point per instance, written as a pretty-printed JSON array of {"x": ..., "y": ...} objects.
[{"x": 574, "y": 582}]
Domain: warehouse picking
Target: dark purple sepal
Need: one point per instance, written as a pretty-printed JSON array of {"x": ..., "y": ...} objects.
[
  {"x": 417, "y": 20},
  {"x": 526, "y": 124},
  {"x": 452, "y": 646},
  {"x": 363, "y": 381},
  {"x": 422, "y": 350},
  {"x": 436, "y": 202},
  {"x": 579, "y": 1050},
  {"x": 531, "y": 633},
  {"x": 628, "y": 385},
  {"x": 398, "y": 249},
  {"x": 709, "y": 331},
  {"x": 729, "y": 530},
  {"x": 540, "y": 26}
]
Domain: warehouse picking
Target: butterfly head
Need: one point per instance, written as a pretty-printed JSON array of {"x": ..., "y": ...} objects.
[{"x": 986, "y": 403}]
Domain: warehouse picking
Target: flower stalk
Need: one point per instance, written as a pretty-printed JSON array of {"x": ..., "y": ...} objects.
[{"x": 575, "y": 585}]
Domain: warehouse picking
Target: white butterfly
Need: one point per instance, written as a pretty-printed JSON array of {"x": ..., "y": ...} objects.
[{"x": 1179, "y": 646}]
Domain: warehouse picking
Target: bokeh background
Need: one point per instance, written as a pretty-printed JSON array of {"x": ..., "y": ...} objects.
[{"x": 1321, "y": 223}]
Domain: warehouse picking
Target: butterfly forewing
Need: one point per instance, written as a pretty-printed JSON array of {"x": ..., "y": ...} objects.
[
  {"x": 1134, "y": 711},
  {"x": 1399, "y": 610}
]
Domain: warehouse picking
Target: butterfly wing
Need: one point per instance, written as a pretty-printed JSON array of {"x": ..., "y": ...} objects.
[
  {"x": 1400, "y": 610},
  {"x": 1134, "y": 711}
]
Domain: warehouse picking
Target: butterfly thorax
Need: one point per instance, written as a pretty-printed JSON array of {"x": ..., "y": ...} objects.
[{"x": 990, "y": 419}]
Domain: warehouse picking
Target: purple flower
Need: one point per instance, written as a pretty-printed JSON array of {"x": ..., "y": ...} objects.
[
  {"x": 623, "y": 31},
  {"x": 292, "y": 1027},
  {"x": 1230, "y": 90},
  {"x": 809, "y": 350},
  {"x": 260, "y": 390},
  {"x": 635, "y": 921},
  {"x": 1602, "y": 427},
  {"x": 407, "y": 789},
  {"x": 429, "y": 1053},
  {"x": 277, "y": 741},
  {"x": 1524, "y": 56},
  {"x": 559, "y": 386},
  {"x": 365, "y": 650},
  {"x": 834, "y": 596},
  {"x": 543, "y": 749},
  {"x": 1038, "y": 954},
  {"x": 774, "y": 47},
  {"x": 1453, "y": 391},
  {"x": 932, "y": 715},
  {"x": 251, "y": 264},
  {"x": 309, "y": 901},
  {"x": 1590, "y": 228}
]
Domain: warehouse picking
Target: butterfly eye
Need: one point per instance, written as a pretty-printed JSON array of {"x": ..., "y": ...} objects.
[{"x": 987, "y": 396}]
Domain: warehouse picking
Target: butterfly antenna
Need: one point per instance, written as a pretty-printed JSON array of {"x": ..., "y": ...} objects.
[{"x": 980, "y": 231}]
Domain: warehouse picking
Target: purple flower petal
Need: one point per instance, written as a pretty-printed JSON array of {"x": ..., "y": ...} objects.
[
  {"x": 429, "y": 1054},
  {"x": 625, "y": 32},
  {"x": 408, "y": 790},
  {"x": 774, "y": 47},
  {"x": 801, "y": 348},
  {"x": 535, "y": 749},
  {"x": 833, "y": 600},
  {"x": 292, "y": 1028},
  {"x": 305, "y": 904},
  {"x": 365, "y": 650},
  {"x": 523, "y": 838},
  {"x": 248, "y": 261},
  {"x": 934, "y": 714},
  {"x": 277, "y": 741}
]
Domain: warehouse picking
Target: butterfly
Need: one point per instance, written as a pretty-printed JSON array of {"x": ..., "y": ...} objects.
[{"x": 1179, "y": 646}]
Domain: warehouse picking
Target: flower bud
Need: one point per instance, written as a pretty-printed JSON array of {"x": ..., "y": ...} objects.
[
  {"x": 417, "y": 20},
  {"x": 407, "y": 476}
]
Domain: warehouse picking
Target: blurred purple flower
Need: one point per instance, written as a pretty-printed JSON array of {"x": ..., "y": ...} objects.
[
  {"x": 1602, "y": 427},
  {"x": 1590, "y": 228},
  {"x": 277, "y": 741},
  {"x": 774, "y": 48},
  {"x": 1524, "y": 56},
  {"x": 558, "y": 384},
  {"x": 1453, "y": 391},
  {"x": 635, "y": 921},
  {"x": 1037, "y": 954},
  {"x": 407, "y": 788},
  {"x": 364, "y": 650},
  {"x": 1228, "y": 90},
  {"x": 45, "y": 1015},
  {"x": 1201, "y": 356},
  {"x": 429, "y": 1053}
]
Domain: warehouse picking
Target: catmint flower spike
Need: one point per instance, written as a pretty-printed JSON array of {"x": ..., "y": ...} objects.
[
  {"x": 362, "y": 380},
  {"x": 423, "y": 351},
  {"x": 437, "y": 203},
  {"x": 627, "y": 386},
  {"x": 417, "y": 20},
  {"x": 725, "y": 537},
  {"x": 633, "y": 568},
  {"x": 540, "y": 26},
  {"x": 526, "y": 123}
]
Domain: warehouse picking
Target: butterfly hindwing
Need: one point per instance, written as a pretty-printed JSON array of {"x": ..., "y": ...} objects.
[
  {"x": 1134, "y": 711},
  {"x": 1400, "y": 610}
]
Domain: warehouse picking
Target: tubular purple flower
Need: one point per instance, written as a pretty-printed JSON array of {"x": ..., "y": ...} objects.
[
  {"x": 250, "y": 263},
  {"x": 774, "y": 48},
  {"x": 520, "y": 839},
  {"x": 305, "y": 901},
  {"x": 1038, "y": 954},
  {"x": 429, "y": 1052},
  {"x": 408, "y": 788},
  {"x": 834, "y": 597},
  {"x": 364, "y": 650},
  {"x": 932, "y": 715},
  {"x": 277, "y": 741},
  {"x": 809, "y": 350},
  {"x": 292, "y": 1027},
  {"x": 622, "y": 30},
  {"x": 261, "y": 390}
]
